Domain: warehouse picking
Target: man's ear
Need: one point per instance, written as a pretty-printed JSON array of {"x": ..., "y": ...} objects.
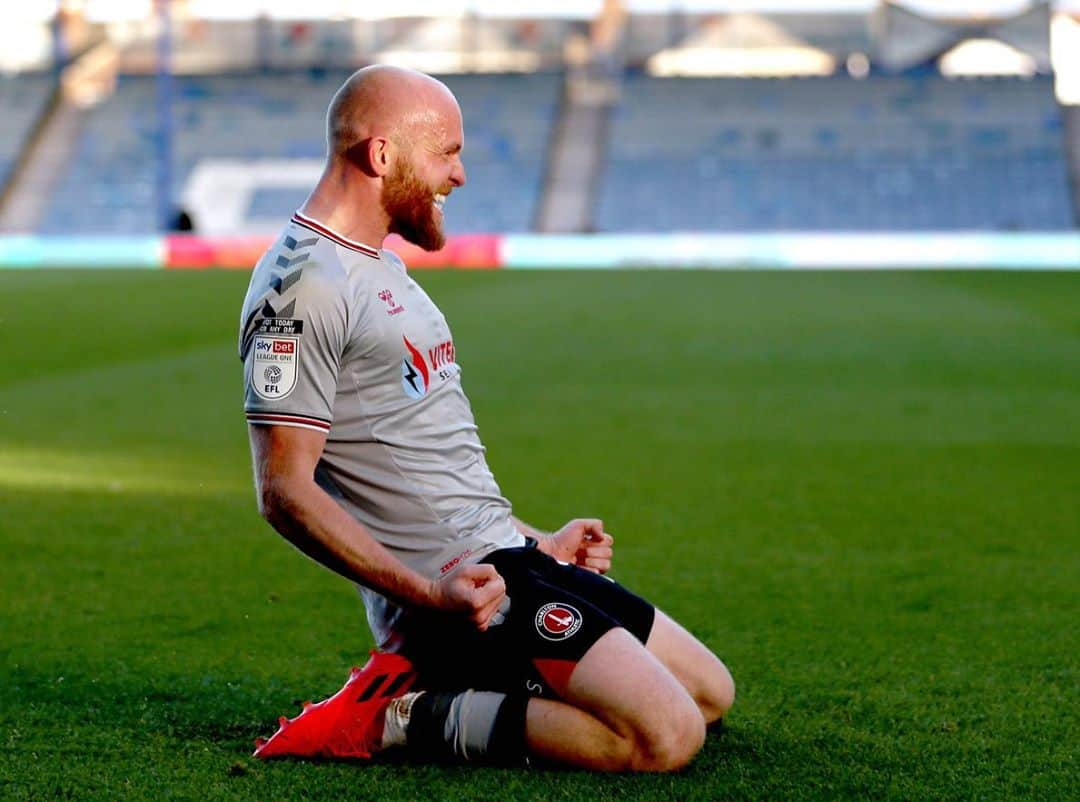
[
  {"x": 374, "y": 156},
  {"x": 381, "y": 155}
]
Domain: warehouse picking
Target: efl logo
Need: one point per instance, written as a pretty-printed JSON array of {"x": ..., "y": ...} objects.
[
  {"x": 274, "y": 366},
  {"x": 557, "y": 621}
]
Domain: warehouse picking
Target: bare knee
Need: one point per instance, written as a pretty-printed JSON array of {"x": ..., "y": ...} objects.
[
  {"x": 657, "y": 722},
  {"x": 700, "y": 671},
  {"x": 668, "y": 744},
  {"x": 716, "y": 699}
]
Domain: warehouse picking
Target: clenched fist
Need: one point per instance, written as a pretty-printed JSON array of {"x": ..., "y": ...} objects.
[
  {"x": 582, "y": 542},
  {"x": 476, "y": 590}
]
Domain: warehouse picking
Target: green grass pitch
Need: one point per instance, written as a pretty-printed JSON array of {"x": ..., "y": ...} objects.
[{"x": 861, "y": 490}]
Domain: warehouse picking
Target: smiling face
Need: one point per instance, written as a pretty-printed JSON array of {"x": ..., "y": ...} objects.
[
  {"x": 394, "y": 140},
  {"x": 427, "y": 169}
]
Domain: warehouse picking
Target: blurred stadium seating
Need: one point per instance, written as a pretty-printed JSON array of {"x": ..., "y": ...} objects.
[
  {"x": 889, "y": 153},
  {"x": 587, "y": 137},
  {"x": 22, "y": 97},
  {"x": 110, "y": 186}
]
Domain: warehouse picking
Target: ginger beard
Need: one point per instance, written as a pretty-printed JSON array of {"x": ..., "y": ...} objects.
[{"x": 411, "y": 208}]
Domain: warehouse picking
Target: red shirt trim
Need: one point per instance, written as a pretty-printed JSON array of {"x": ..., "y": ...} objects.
[
  {"x": 273, "y": 417},
  {"x": 330, "y": 234}
]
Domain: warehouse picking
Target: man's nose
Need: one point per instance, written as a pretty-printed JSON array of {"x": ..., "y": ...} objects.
[{"x": 457, "y": 175}]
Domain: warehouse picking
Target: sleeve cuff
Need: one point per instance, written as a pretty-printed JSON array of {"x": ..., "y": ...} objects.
[{"x": 286, "y": 419}]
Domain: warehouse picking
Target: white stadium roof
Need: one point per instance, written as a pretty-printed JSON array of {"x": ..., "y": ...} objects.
[{"x": 115, "y": 10}]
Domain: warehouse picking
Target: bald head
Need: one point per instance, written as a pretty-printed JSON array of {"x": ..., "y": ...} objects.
[
  {"x": 395, "y": 139},
  {"x": 385, "y": 101}
]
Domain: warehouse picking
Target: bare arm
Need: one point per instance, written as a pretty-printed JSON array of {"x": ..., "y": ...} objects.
[
  {"x": 582, "y": 542},
  {"x": 303, "y": 513},
  {"x": 529, "y": 530}
]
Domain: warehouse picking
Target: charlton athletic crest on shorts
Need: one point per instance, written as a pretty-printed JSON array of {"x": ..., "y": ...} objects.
[
  {"x": 275, "y": 360},
  {"x": 557, "y": 621}
]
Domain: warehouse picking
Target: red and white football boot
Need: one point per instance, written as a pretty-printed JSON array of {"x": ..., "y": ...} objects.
[{"x": 349, "y": 723}]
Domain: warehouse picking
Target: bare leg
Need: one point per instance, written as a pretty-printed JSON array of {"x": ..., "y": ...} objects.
[
  {"x": 563, "y": 734},
  {"x": 624, "y": 711},
  {"x": 699, "y": 670}
]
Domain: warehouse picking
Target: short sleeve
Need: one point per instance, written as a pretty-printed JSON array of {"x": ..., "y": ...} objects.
[{"x": 293, "y": 355}]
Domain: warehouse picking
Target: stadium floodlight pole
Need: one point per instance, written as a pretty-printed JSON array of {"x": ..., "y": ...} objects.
[
  {"x": 164, "y": 98},
  {"x": 59, "y": 44}
]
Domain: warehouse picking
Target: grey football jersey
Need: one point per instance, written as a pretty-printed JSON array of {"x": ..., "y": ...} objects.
[{"x": 337, "y": 338}]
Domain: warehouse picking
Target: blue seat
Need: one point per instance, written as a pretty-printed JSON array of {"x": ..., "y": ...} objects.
[
  {"x": 895, "y": 153},
  {"x": 508, "y": 122},
  {"x": 22, "y": 97}
]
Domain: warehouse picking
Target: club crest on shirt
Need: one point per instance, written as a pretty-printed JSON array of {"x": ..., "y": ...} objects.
[
  {"x": 275, "y": 358},
  {"x": 557, "y": 621}
]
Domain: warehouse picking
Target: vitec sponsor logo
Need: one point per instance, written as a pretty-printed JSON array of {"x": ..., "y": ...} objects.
[
  {"x": 557, "y": 621},
  {"x": 417, "y": 373},
  {"x": 441, "y": 355},
  {"x": 414, "y": 372}
]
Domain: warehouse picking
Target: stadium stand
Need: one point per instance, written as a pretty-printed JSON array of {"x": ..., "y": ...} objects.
[
  {"x": 110, "y": 187},
  {"x": 22, "y": 97},
  {"x": 914, "y": 152}
]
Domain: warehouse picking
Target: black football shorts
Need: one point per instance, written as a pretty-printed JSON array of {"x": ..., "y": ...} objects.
[{"x": 556, "y": 613}]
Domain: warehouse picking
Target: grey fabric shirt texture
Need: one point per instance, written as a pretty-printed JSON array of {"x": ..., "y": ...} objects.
[{"x": 337, "y": 338}]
